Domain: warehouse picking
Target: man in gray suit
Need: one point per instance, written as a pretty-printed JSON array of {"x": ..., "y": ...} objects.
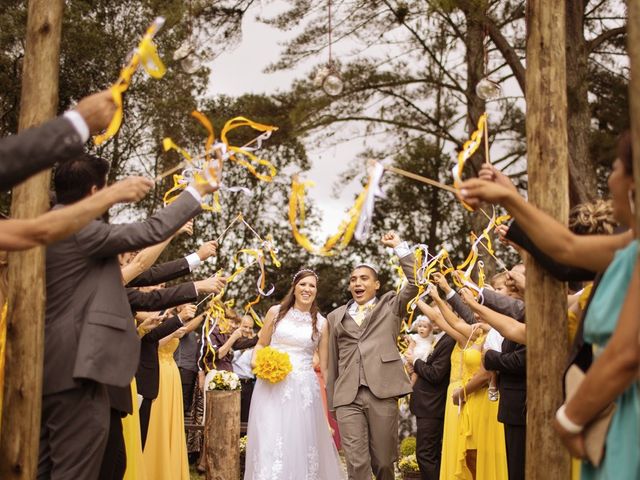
[
  {"x": 90, "y": 336},
  {"x": 365, "y": 375}
]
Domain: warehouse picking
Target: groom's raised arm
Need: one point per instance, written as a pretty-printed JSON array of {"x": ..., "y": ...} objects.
[{"x": 410, "y": 290}]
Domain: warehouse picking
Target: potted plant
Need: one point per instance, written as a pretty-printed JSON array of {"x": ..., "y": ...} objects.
[
  {"x": 408, "y": 464},
  {"x": 243, "y": 450}
]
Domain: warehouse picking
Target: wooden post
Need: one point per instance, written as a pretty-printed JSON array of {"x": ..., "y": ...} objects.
[
  {"x": 222, "y": 435},
  {"x": 25, "y": 320},
  {"x": 548, "y": 169},
  {"x": 633, "y": 47}
]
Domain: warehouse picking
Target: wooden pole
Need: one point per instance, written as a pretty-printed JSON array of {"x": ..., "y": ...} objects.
[
  {"x": 548, "y": 169},
  {"x": 222, "y": 435},
  {"x": 633, "y": 47},
  {"x": 25, "y": 320}
]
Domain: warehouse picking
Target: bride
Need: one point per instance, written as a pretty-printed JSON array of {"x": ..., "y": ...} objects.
[{"x": 288, "y": 433}]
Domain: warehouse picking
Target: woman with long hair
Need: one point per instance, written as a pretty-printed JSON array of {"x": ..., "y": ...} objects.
[{"x": 288, "y": 433}]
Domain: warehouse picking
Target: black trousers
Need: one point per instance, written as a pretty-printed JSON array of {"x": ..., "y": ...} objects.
[
  {"x": 73, "y": 433},
  {"x": 114, "y": 462},
  {"x": 429, "y": 446},
  {"x": 245, "y": 398},
  {"x": 145, "y": 413},
  {"x": 188, "y": 380},
  {"x": 515, "y": 437}
]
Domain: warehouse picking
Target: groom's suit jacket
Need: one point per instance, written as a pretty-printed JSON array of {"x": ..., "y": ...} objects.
[
  {"x": 89, "y": 328},
  {"x": 36, "y": 149},
  {"x": 369, "y": 353}
]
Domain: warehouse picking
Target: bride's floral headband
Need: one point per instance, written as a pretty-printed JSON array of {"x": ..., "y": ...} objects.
[{"x": 300, "y": 272}]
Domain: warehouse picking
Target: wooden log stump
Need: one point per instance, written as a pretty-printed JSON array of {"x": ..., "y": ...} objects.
[{"x": 222, "y": 435}]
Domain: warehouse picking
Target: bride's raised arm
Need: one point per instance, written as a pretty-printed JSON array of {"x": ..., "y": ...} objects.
[{"x": 264, "y": 337}]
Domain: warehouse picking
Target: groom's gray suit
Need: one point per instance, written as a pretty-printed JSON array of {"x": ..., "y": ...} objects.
[
  {"x": 365, "y": 377},
  {"x": 90, "y": 337}
]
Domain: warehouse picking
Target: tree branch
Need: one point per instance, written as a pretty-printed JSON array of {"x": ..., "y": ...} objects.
[{"x": 604, "y": 37}]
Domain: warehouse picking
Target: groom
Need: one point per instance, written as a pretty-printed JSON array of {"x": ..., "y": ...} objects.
[{"x": 365, "y": 375}]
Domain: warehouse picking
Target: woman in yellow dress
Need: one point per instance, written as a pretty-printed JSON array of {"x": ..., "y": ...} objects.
[
  {"x": 165, "y": 452},
  {"x": 480, "y": 444}
]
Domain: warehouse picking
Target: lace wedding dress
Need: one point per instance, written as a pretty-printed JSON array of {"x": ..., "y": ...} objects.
[{"x": 288, "y": 433}]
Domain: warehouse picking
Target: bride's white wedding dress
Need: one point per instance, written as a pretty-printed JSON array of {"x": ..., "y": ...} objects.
[{"x": 288, "y": 433}]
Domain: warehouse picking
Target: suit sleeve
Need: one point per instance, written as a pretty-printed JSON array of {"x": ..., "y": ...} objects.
[
  {"x": 512, "y": 362},
  {"x": 165, "y": 328},
  {"x": 332, "y": 368},
  {"x": 461, "y": 308},
  {"x": 437, "y": 367},
  {"x": 560, "y": 271},
  {"x": 409, "y": 291},
  {"x": 162, "y": 297},
  {"x": 504, "y": 304},
  {"x": 37, "y": 149},
  {"x": 243, "y": 343},
  {"x": 100, "y": 240},
  {"x": 163, "y": 272}
]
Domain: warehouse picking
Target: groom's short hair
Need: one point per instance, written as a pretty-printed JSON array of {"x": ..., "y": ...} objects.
[{"x": 369, "y": 266}]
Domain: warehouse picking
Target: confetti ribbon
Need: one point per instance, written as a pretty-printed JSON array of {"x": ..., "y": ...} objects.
[
  {"x": 146, "y": 54},
  {"x": 469, "y": 148}
]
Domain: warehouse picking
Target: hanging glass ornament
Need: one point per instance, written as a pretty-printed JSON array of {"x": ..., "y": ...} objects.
[
  {"x": 186, "y": 54},
  {"x": 487, "y": 89},
  {"x": 332, "y": 84}
]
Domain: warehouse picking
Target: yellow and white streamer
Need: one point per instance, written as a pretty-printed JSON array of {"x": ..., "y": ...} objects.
[
  {"x": 469, "y": 148},
  {"x": 146, "y": 54}
]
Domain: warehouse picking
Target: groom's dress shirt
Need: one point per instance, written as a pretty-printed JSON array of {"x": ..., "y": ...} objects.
[{"x": 38, "y": 148}]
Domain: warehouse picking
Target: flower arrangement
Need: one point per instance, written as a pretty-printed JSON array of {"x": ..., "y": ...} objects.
[
  {"x": 272, "y": 365},
  {"x": 223, "y": 380},
  {"x": 408, "y": 464},
  {"x": 243, "y": 445},
  {"x": 408, "y": 446}
]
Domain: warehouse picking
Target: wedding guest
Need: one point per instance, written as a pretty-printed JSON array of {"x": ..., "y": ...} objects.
[
  {"x": 85, "y": 294},
  {"x": 613, "y": 254},
  {"x": 25, "y": 233},
  {"x": 57, "y": 140},
  {"x": 420, "y": 343},
  {"x": 241, "y": 364},
  {"x": 429, "y": 398}
]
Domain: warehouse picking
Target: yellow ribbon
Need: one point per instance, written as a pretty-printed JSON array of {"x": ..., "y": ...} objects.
[
  {"x": 340, "y": 239},
  {"x": 468, "y": 149},
  {"x": 238, "y": 122},
  {"x": 146, "y": 54}
]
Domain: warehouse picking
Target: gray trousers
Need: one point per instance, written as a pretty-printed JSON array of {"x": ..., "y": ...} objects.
[
  {"x": 369, "y": 434},
  {"x": 73, "y": 433}
]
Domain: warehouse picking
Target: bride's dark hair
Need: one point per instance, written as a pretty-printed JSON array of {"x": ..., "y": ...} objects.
[{"x": 289, "y": 301}]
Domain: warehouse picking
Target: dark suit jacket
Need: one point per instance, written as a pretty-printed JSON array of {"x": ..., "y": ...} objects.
[
  {"x": 163, "y": 272},
  {"x": 148, "y": 374},
  {"x": 512, "y": 307},
  {"x": 512, "y": 365},
  {"x": 461, "y": 308},
  {"x": 36, "y": 149},
  {"x": 429, "y": 397},
  {"x": 218, "y": 339},
  {"x": 89, "y": 329},
  {"x": 161, "y": 298}
]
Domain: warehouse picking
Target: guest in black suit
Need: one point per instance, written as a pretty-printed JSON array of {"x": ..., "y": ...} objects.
[{"x": 428, "y": 402}]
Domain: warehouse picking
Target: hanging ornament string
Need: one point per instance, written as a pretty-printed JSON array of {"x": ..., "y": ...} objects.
[{"x": 146, "y": 54}]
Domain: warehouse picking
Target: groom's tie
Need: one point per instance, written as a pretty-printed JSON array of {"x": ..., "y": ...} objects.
[{"x": 360, "y": 314}]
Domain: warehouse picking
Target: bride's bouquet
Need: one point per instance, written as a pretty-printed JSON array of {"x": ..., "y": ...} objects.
[
  {"x": 222, "y": 380},
  {"x": 272, "y": 365}
]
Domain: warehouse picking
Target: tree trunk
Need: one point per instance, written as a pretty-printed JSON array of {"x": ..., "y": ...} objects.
[
  {"x": 582, "y": 172},
  {"x": 222, "y": 431},
  {"x": 548, "y": 171},
  {"x": 25, "y": 321},
  {"x": 633, "y": 46}
]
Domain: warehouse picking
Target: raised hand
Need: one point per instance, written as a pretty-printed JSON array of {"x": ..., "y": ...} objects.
[
  {"x": 207, "y": 249},
  {"x": 213, "y": 284},
  {"x": 131, "y": 189},
  {"x": 97, "y": 110},
  {"x": 441, "y": 281},
  {"x": 492, "y": 174},
  {"x": 468, "y": 297},
  {"x": 187, "y": 228},
  {"x": 187, "y": 312},
  {"x": 391, "y": 239},
  {"x": 475, "y": 191}
]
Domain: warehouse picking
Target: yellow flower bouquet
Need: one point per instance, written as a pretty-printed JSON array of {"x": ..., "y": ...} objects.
[{"x": 272, "y": 365}]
